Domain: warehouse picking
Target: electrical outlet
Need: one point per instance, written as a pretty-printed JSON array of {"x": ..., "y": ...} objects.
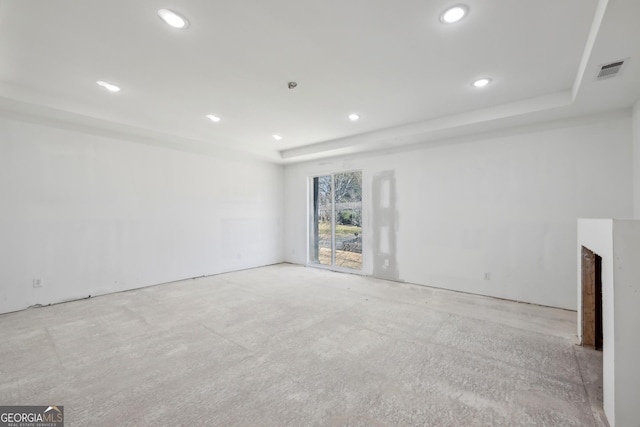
[
  {"x": 37, "y": 283},
  {"x": 487, "y": 276},
  {"x": 386, "y": 263}
]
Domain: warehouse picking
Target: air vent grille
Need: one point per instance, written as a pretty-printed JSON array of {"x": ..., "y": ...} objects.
[{"x": 610, "y": 70}]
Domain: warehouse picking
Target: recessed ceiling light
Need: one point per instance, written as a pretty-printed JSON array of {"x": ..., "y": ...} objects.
[
  {"x": 277, "y": 137},
  {"x": 173, "y": 19},
  {"x": 454, "y": 14},
  {"x": 213, "y": 118},
  {"x": 108, "y": 86},
  {"x": 482, "y": 82},
  {"x": 353, "y": 117}
]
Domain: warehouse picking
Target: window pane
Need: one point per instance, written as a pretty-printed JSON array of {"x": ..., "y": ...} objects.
[
  {"x": 321, "y": 221},
  {"x": 348, "y": 219}
]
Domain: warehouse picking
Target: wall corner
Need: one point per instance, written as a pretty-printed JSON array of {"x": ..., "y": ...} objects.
[{"x": 636, "y": 159}]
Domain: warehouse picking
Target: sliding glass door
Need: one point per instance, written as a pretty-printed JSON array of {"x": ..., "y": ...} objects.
[{"x": 336, "y": 220}]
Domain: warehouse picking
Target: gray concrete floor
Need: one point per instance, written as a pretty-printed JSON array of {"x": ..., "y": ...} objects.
[{"x": 295, "y": 346}]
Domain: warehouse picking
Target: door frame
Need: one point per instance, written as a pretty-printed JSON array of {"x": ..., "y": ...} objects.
[{"x": 310, "y": 218}]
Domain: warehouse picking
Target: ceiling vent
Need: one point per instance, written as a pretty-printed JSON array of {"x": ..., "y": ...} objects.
[{"x": 611, "y": 70}]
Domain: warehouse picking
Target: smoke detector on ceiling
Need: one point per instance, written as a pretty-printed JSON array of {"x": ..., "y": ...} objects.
[{"x": 612, "y": 69}]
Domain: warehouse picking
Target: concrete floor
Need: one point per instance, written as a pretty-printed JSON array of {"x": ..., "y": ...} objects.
[{"x": 293, "y": 346}]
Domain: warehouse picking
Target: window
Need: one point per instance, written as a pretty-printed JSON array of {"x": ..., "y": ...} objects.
[{"x": 336, "y": 220}]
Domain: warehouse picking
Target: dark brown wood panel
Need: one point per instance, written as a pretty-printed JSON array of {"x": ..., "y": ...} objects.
[
  {"x": 598, "y": 300},
  {"x": 591, "y": 299}
]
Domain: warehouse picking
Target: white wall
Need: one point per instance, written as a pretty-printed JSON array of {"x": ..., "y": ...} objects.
[
  {"x": 90, "y": 215},
  {"x": 626, "y": 252},
  {"x": 505, "y": 205},
  {"x": 636, "y": 160}
]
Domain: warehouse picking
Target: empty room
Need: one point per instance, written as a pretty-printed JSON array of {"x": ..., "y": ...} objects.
[{"x": 341, "y": 213}]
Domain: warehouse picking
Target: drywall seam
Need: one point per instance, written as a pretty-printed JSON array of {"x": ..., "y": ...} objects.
[{"x": 385, "y": 226}]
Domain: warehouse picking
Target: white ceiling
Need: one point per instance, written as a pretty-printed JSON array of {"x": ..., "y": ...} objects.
[{"x": 406, "y": 73}]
